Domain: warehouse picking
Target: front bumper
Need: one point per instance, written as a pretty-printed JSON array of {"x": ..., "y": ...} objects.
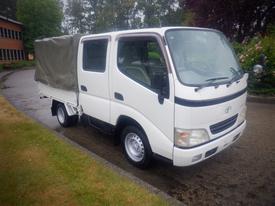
[{"x": 185, "y": 157}]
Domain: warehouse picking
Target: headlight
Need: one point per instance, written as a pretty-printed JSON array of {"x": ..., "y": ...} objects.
[{"x": 190, "y": 137}]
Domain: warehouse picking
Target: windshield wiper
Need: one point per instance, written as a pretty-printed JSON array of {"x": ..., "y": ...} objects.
[
  {"x": 210, "y": 82},
  {"x": 217, "y": 78},
  {"x": 236, "y": 76}
]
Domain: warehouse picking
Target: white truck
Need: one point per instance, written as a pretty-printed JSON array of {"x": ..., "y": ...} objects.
[{"x": 176, "y": 93}]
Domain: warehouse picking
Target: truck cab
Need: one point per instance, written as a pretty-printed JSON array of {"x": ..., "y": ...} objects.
[{"x": 176, "y": 93}]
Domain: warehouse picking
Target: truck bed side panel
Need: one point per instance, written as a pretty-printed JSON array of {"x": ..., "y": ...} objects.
[{"x": 68, "y": 97}]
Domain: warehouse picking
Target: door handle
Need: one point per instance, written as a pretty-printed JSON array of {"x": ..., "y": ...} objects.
[
  {"x": 83, "y": 88},
  {"x": 119, "y": 96}
]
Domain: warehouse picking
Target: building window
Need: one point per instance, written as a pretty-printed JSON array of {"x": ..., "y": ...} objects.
[
  {"x": 18, "y": 54},
  {"x": 23, "y": 54},
  {"x": 15, "y": 54},
  {"x": 5, "y": 33},
  {"x": 12, "y": 56},
  {"x": 1, "y": 54},
  {"x": 8, "y": 54},
  {"x": 20, "y": 35},
  {"x": 9, "y": 33},
  {"x": 1, "y": 32},
  {"x": 5, "y": 54},
  {"x": 16, "y": 35}
]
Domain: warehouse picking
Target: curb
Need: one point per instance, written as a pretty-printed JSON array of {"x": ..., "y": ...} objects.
[
  {"x": 261, "y": 99},
  {"x": 3, "y": 78},
  {"x": 4, "y": 75}
]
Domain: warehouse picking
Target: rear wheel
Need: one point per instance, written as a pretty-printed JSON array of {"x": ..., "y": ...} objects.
[
  {"x": 63, "y": 118},
  {"x": 136, "y": 146}
]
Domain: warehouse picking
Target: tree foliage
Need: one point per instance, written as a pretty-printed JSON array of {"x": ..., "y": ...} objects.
[
  {"x": 41, "y": 18},
  {"x": 76, "y": 19},
  {"x": 8, "y": 8},
  {"x": 238, "y": 19},
  {"x": 109, "y": 15}
]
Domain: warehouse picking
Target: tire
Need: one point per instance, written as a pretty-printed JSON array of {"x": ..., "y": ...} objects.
[
  {"x": 63, "y": 118},
  {"x": 136, "y": 147}
]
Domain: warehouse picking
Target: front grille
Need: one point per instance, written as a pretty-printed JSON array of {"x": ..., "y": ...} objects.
[{"x": 223, "y": 125}]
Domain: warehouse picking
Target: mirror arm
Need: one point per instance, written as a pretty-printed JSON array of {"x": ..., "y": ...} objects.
[{"x": 160, "y": 98}]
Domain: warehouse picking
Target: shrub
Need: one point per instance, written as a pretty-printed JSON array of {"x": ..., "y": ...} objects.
[
  {"x": 20, "y": 64},
  {"x": 251, "y": 53}
]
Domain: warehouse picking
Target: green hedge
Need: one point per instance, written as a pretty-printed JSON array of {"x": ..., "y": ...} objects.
[{"x": 18, "y": 65}]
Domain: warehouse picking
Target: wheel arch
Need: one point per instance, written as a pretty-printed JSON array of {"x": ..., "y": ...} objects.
[
  {"x": 71, "y": 110},
  {"x": 124, "y": 121},
  {"x": 54, "y": 106}
]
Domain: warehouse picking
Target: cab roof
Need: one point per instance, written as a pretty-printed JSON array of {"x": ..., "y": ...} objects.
[{"x": 160, "y": 30}]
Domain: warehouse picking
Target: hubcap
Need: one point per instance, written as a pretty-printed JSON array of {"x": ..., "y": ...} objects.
[
  {"x": 134, "y": 147},
  {"x": 60, "y": 115}
]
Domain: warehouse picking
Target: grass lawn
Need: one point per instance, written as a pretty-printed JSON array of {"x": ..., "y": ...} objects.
[{"x": 37, "y": 168}]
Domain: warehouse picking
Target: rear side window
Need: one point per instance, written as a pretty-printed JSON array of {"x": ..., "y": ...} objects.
[{"x": 94, "y": 55}]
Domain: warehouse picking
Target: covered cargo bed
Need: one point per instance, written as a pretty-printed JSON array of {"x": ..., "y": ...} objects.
[{"x": 56, "y": 67}]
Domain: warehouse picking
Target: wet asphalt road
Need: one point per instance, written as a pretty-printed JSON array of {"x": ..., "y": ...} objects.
[{"x": 243, "y": 174}]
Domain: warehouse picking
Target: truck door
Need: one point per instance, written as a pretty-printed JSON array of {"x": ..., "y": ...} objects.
[
  {"x": 142, "y": 82},
  {"x": 93, "y": 77}
]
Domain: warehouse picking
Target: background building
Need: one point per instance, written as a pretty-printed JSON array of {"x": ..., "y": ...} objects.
[{"x": 11, "y": 44}]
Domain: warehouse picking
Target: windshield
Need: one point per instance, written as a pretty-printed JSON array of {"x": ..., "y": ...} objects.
[{"x": 202, "y": 57}]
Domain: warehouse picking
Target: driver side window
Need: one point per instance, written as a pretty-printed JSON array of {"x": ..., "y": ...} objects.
[{"x": 141, "y": 59}]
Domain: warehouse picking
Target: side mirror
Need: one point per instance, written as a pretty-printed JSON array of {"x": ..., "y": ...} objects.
[
  {"x": 161, "y": 83},
  {"x": 258, "y": 69},
  {"x": 246, "y": 75}
]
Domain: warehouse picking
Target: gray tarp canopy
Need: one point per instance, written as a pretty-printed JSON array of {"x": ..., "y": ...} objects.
[{"x": 56, "y": 62}]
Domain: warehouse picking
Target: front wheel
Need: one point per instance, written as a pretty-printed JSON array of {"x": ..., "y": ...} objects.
[
  {"x": 63, "y": 118},
  {"x": 136, "y": 146}
]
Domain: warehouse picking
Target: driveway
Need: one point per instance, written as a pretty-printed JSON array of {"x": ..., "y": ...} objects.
[{"x": 243, "y": 174}]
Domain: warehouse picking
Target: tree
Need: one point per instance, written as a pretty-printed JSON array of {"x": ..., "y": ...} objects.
[
  {"x": 77, "y": 15},
  {"x": 238, "y": 19},
  {"x": 8, "y": 8},
  {"x": 159, "y": 13},
  {"x": 110, "y": 15},
  {"x": 99, "y": 15},
  {"x": 41, "y": 18},
  {"x": 115, "y": 15},
  {"x": 171, "y": 13}
]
